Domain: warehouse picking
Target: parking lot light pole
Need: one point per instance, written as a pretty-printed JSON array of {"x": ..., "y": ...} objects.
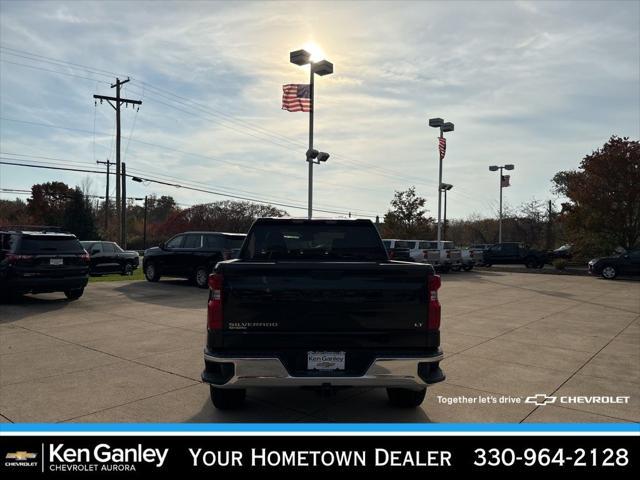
[
  {"x": 444, "y": 127},
  {"x": 495, "y": 168},
  {"x": 322, "y": 67},
  {"x": 445, "y": 187}
]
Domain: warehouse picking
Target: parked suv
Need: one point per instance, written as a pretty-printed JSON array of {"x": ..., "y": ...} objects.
[
  {"x": 108, "y": 257},
  {"x": 40, "y": 261},
  {"x": 191, "y": 255},
  {"x": 509, "y": 253}
]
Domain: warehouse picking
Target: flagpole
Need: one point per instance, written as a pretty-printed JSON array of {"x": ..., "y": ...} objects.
[{"x": 309, "y": 159}]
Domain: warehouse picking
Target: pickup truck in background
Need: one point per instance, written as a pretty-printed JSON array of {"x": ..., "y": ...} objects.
[
  {"x": 108, "y": 257},
  {"x": 318, "y": 303},
  {"x": 442, "y": 255},
  {"x": 509, "y": 253},
  {"x": 398, "y": 249}
]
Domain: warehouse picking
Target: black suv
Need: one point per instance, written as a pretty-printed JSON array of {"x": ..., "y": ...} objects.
[
  {"x": 108, "y": 257},
  {"x": 41, "y": 260},
  {"x": 191, "y": 255},
  {"x": 509, "y": 253}
]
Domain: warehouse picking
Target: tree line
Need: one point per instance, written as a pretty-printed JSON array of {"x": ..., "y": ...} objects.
[{"x": 601, "y": 211}]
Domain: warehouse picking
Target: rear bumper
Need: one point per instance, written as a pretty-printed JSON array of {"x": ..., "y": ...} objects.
[
  {"x": 45, "y": 284},
  {"x": 241, "y": 372}
]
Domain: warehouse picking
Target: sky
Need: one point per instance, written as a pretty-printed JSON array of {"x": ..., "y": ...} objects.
[{"x": 536, "y": 84}]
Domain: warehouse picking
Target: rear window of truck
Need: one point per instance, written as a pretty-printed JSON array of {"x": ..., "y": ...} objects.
[
  {"x": 49, "y": 244},
  {"x": 313, "y": 242},
  {"x": 233, "y": 242}
]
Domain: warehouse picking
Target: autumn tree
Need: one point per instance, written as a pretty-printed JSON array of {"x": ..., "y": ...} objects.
[
  {"x": 603, "y": 211},
  {"x": 406, "y": 218},
  {"x": 48, "y": 202},
  {"x": 225, "y": 216}
]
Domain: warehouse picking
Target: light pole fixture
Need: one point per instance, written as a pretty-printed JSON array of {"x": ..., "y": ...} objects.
[
  {"x": 444, "y": 127},
  {"x": 495, "y": 168},
  {"x": 444, "y": 188},
  {"x": 322, "y": 68},
  {"x": 317, "y": 157}
]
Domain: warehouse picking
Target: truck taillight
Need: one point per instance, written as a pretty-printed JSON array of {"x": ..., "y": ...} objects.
[
  {"x": 85, "y": 257},
  {"x": 214, "y": 307},
  {"x": 391, "y": 255},
  {"x": 12, "y": 258},
  {"x": 433, "y": 322}
]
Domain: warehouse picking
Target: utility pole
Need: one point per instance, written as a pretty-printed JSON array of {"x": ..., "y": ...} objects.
[
  {"x": 116, "y": 102},
  {"x": 144, "y": 234},
  {"x": 123, "y": 215},
  {"x": 549, "y": 227},
  {"x": 106, "y": 195}
]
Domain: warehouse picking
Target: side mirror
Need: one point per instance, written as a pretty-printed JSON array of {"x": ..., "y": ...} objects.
[{"x": 162, "y": 246}]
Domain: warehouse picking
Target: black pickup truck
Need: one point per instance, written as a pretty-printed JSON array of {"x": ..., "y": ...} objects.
[
  {"x": 510, "y": 253},
  {"x": 108, "y": 257},
  {"x": 318, "y": 303}
]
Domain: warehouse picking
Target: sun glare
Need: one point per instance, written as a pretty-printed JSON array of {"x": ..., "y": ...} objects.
[{"x": 316, "y": 52}]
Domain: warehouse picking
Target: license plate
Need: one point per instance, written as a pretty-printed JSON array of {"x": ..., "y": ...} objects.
[
  {"x": 56, "y": 261},
  {"x": 325, "y": 360}
]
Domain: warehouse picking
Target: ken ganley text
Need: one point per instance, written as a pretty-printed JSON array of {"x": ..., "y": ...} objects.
[
  {"x": 103, "y": 457},
  {"x": 262, "y": 457}
]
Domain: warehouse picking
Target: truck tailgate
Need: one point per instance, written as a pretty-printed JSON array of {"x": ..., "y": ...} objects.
[{"x": 285, "y": 304}]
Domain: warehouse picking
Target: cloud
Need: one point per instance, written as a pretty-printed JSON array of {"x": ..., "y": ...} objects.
[{"x": 538, "y": 84}]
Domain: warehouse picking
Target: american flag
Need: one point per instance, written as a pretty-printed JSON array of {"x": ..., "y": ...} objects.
[
  {"x": 505, "y": 181},
  {"x": 442, "y": 144},
  {"x": 296, "y": 97}
]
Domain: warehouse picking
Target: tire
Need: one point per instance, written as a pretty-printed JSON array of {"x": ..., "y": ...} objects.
[
  {"x": 487, "y": 265},
  {"x": 456, "y": 268},
  {"x": 74, "y": 293},
  {"x": 405, "y": 398},
  {"x": 530, "y": 262},
  {"x": 201, "y": 277},
  {"x": 227, "y": 398},
  {"x": 609, "y": 272},
  {"x": 151, "y": 272},
  {"x": 467, "y": 268},
  {"x": 127, "y": 269}
]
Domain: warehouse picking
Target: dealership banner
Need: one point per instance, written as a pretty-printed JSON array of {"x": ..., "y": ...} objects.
[{"x": 199, "y": 455}]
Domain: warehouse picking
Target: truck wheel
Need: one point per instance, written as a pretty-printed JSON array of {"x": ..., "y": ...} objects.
[
  {"x": 74, "y": 293},
  {"x": 530, "y": 262},
  {"x": 467, "y": 268},
  {"x": 151, "y": 272},
  {"x": 456, "y": 268},
  {"x": 405, "y": 398},
  {"x": 202, "y": 277},
  {"x": 609, "y": 272},
  {"x": 127, "y": 269},
  {"x": 227, "y": 398}
]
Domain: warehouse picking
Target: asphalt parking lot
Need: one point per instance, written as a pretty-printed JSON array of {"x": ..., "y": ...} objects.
[{"x": 131, "y": 351}]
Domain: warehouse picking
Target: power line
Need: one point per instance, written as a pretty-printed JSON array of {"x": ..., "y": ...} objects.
[
  {"x": 202, "y": 190},
  {"x": 265, "y": 132},
  {"x": 144, "y": 173},
  {"x": 193, "y": 154}
]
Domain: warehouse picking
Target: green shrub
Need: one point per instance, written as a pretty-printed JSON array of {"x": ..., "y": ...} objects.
[{"x": 560, "y": 263}]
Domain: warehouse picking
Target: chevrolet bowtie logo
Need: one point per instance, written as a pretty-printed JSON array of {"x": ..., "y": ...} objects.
[
  {"x": 540, "y": 399},
  {"x": 21, "y": 455}
]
